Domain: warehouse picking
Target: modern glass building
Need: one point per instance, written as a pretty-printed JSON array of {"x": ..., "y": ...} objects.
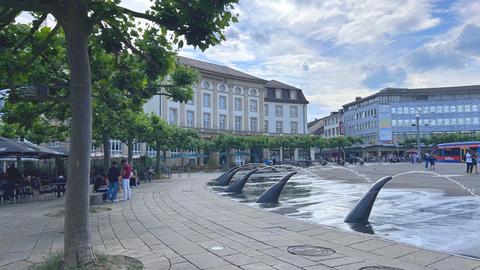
[{"x": 388, "y": 117}]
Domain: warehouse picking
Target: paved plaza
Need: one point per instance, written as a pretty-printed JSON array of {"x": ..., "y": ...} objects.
[{"x": 180, "y": 223}]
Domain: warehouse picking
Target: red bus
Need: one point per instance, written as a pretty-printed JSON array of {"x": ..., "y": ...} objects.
[{"x": 455, "y": 151}]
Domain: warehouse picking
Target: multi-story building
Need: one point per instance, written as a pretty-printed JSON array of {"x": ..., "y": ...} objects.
[
  {"x": 388, "y": 117},
  {"x": 333, "y": 124},
  {"x": 317, "y": 127},
  {"x": 227, "y": 100},
  {"x": 230, "y": 101}
]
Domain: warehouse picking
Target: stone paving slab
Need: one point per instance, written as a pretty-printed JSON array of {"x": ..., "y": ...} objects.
[{"x": 180, "y": 224}]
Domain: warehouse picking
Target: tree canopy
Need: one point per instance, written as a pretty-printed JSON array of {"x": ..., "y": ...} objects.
[{"x": 154, "y": 36}]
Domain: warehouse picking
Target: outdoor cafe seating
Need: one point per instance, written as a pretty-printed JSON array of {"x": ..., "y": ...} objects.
[{"x": 21, "y": 188}]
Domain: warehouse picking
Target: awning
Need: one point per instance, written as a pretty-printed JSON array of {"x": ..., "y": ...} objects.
[{"x": 13, "y": 148}]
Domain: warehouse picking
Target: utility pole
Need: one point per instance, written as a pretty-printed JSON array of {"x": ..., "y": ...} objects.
[{"x": 417, "y": 124}]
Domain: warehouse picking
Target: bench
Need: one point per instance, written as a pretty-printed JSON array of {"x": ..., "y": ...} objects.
[{"x": 96, "y": 198}]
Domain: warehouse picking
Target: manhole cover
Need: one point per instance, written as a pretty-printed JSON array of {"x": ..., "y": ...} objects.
[
  {"x": 307, "y": 250},
  {"x": 379, "y": 267}
]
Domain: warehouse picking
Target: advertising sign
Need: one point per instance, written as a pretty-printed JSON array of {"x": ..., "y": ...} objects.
[{"x": 385, "y": 122}]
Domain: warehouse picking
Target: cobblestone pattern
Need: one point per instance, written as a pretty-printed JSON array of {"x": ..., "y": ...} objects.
[{"x": 173, "y": 224}]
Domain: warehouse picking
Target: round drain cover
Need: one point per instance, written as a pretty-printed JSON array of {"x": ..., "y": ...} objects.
[
  {"x": 307, "y": 250},
  {"x": 379, "y": 267}
]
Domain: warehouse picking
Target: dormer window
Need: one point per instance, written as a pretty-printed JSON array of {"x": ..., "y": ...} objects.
[
  {"x": 293, "y": 94},
  {"x": 278, "y": 93}
]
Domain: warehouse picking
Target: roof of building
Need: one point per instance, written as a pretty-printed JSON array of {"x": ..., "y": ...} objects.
[
  {"x": 230, "y": 72},
  {"x": 418, "y": 91},
  {"x": 311, "y": 123},
  {"x": 219, "y": 69},
  {"x": 273, "y": 84},
  {"x": 279, "y": 85}
]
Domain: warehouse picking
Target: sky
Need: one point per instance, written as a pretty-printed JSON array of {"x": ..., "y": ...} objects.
[{"x": 336, "y": 50}]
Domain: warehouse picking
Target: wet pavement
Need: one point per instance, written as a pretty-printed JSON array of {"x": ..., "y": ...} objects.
[
  {"x": 409, "y": 208},
  {"x": 181, "y": 224}
]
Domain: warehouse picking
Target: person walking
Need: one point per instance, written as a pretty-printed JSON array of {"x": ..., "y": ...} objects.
[
  {"x": 126, "y": 175},
  {"x": 427, "y": 160},
  {"x": 432, "y": 162},
  {"x": 468, "y": 160},
  {"x": 13, "y": 175},
  {"x": 113, "y": 178}
]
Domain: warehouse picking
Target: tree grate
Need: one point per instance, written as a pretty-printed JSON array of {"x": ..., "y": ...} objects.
[{"x": 307, "y": 250}]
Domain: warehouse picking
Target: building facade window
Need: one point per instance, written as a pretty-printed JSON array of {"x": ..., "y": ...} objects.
[
  {"x": 278, "y": 93},
  {"x": 253, "y": 105},
  {"x": 238, "y": 123},
  {"x": 173, "y": 116},
  {"x": 151, "y": 152},
  {"x": 293, "y": 111},
  {"x": 238, "y": 104},
  {"x": 265, "y": 125},
  {"x": 253, "y": 124},
  {"x": 222, "y": 102},
  {"x": 136, "y": 148},
  {"x": 265, "y": 109},
  {"x": 222, "y": 123},
  {"x": 294, "y": 127},
  {"x": 206, "y": 100},
  {"x": 190, "y": 119},
  {"x": 293, "y": 94},
  {"x": 279, "y": 126},
  {"x": 116, "y": 147},
  {"x": 279, "y": 110},
  {"x": 206, "y": 120}
]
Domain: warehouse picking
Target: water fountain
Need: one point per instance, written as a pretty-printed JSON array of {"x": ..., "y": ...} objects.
[
  {"x": 237, "y": 186},
  {"x": 361, "y": 212},
  {"x": 225, "y": 180},
  {"x": 272, "y": 194},
  {"x": 404, "y": 214},
  {"x": 225, "y": 173}
]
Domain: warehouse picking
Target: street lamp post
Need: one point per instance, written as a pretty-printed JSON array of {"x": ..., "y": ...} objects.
[{"x": 417, "y": 124}]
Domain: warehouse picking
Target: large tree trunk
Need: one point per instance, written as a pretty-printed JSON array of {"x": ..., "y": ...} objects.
[
  {"x": 130, "y": 151},
  {"x": 157, "y": 166},
  {"x": 106, "y": 153},
  {"x": 77, "y": 238}
]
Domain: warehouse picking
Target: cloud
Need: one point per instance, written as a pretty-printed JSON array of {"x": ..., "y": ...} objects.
[
  {"x": 454, "y": 50},
  {"x": 469, "y": 40},
  {"x": 381, "y": 76},
  {"x": 436, "y": 57}
]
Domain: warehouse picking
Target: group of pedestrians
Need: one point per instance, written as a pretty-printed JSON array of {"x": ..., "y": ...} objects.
[
  {"x": 471, "y": 159},
  {"x": 116, "y": 174},
  {"x": 429, "y": 160}
]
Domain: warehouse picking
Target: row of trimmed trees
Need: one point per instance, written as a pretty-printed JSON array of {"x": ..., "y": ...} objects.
[{"x": 163, "y": 137}]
